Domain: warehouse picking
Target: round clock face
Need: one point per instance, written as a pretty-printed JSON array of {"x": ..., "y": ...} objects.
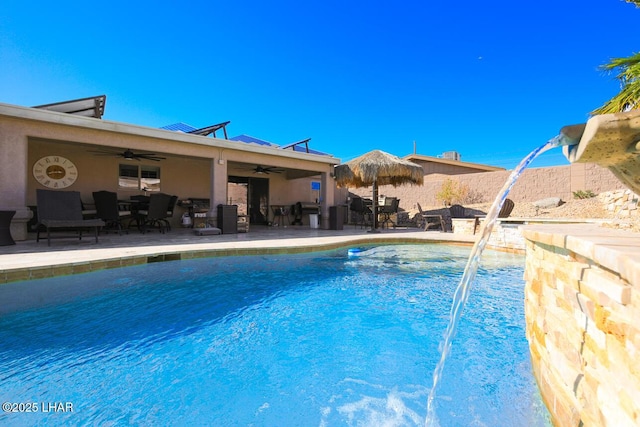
[{"x": 55, "y": 172}]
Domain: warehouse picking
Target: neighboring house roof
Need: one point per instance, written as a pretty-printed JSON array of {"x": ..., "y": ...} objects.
[{"x": 419, "y": 158}]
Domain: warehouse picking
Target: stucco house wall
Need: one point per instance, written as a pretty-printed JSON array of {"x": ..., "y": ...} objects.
[{"x": 195, "y": 166}]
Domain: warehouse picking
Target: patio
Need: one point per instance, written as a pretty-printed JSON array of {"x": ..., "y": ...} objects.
[{"x": 30, "y": 260}]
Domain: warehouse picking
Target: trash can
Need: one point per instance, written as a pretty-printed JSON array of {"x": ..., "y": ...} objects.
[
  {"x": 228, "y": 218},
  {"x": 5, "y": 228},
  {"x": 313, "y": 220},
  {"x": 336, "y": 217}
]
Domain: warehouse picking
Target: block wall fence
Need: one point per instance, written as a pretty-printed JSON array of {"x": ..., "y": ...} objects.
[{"x": 534, "y": 184}]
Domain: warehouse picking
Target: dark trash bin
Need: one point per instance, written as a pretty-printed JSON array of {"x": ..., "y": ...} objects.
[
  {"x": 228, "y": 218},
  {"x": 5, "y": 228},
  {"x": 336, "y": 217}
]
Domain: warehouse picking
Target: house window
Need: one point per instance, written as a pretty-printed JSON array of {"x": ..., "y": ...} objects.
[{"x": 139, "y": 177}]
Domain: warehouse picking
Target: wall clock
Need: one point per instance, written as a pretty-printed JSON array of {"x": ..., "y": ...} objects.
[{"x": 55, "y": 172}]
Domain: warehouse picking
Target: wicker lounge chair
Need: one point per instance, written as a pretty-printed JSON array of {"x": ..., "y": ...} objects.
[{"x": 62, "y": 210}]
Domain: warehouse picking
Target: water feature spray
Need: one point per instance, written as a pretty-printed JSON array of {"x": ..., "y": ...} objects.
[
  {"x": 609, "y": 140},
  {"x": 568, "y": 137}
]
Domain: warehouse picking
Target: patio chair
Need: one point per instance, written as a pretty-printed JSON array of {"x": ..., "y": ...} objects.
[
  {"x": 172, "y": 206},
  {"x": 108, "y": 210},
  {"x": 389, "y": 208},
  {"x": 362, "y": 211},
  {"x": 505, "y": 211},
  {"x": 423, "y": 219},
  {"x": 139, "y": 202},
  {"x": 63, "y": 210},
  {"x": 454, "y": 211},
  {"x": 296, "y": 211},
  {"x": 155, "y": 215},
  {"x": 457, "y": 211},
  {"x": 280, "y": 215}
]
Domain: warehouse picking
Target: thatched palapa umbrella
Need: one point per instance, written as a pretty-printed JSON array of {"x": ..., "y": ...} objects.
[{"x": 378, "y": 168}]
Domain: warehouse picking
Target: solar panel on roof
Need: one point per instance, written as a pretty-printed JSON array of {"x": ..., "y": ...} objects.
[
  {"x": 251, "y": 140},
  {"x": 179, "y": 127},
  {"x": 87, "y": 107},
  {"x": 304, "y": 150}
]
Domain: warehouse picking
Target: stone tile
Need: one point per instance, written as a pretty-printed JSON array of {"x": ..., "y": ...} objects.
[{"x": 603, "y": 287}]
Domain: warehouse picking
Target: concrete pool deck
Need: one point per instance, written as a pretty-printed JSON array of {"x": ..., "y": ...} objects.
[{"x": 28, "y": 260}]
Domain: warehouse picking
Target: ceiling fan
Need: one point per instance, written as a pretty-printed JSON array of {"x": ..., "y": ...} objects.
[
  {"x": 128, "y": 155},
  {"x": 266, "y": 170}
]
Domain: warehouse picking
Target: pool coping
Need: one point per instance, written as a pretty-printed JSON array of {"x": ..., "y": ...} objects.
[
  {"x": 616, "y": 250},
  {"x": 38, "y": 265}
]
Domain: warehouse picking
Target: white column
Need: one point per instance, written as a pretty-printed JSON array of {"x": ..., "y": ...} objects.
[
  {"x": 218, "y": 187},
  {"x": 14, "y": 170}
]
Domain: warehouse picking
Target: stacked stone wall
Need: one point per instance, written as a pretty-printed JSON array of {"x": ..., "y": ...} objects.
[
  {"x": 583, "y": 332},
  {"x": 623, "y": 203}
]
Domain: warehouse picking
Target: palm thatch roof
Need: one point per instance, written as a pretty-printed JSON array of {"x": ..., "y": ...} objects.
[{"x": 379, "y": 167}]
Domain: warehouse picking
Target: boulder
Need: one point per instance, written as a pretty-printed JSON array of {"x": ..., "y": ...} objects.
[{"x": 549, "y": 202}]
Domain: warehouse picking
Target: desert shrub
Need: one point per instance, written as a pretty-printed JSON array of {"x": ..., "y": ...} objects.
[
  {"x": 473, "y": 197},
  {"x": 583, "y": 194},
  {"x": 452, "y": 192}
]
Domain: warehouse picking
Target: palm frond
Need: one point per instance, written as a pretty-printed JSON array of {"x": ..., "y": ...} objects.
[{"x": 629, "y": 76}]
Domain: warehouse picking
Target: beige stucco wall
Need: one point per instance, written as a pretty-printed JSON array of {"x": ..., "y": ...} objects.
[
  {"x": 183, "y": 176},
  {"x": 582, "y": 305},
  {"x": 195, "y": 166}
]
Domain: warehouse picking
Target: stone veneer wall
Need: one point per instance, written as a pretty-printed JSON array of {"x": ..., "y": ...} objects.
[
  {"x": 582, "y": 307},
  {"x": 623, "y": 203},
  {"x": 504, "y": 236}
]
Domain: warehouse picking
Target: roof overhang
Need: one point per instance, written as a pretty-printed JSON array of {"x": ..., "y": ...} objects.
[{"x": 54, "y": 117}]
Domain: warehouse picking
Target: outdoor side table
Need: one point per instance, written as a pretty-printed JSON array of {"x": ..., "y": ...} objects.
[{"x": 5, "y": 228}]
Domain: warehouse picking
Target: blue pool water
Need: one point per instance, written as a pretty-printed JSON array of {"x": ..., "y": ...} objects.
[{"x": 325, "y": 339}]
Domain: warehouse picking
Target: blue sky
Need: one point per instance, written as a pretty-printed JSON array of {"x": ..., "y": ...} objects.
[{"x": 491, "y": 80}]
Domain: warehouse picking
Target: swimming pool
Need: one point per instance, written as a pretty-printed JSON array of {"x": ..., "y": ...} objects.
[{"x": 328, "y": 338}]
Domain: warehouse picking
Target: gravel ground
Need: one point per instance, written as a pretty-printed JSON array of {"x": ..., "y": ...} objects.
[{"x": 592, "y": 208}]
